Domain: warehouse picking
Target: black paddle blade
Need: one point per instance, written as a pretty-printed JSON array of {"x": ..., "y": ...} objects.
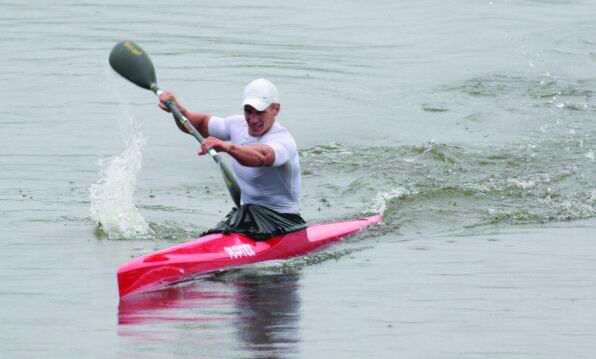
[{"x": 130, "y": 61}]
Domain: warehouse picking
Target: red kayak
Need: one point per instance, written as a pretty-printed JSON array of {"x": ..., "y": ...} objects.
[{"x": 217, "y": 251}]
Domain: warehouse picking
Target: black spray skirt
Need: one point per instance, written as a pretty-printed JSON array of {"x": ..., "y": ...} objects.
[{"x": 258, "y": 222}]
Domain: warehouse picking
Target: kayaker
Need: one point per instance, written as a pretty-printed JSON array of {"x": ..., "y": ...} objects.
[{"x": 266, "y": 161}]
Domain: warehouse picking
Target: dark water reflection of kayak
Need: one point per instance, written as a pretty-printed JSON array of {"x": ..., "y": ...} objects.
[{"x": 262, "y": 307}]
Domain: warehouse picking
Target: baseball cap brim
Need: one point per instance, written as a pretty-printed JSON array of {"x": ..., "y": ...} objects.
[{"x": 256, "y": 103}]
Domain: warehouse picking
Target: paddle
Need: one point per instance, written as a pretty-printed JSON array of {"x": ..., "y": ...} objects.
[{"x": 132, "y": 63}]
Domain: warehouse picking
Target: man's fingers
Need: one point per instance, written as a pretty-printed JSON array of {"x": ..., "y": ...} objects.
[{"x": 204, "y": 149}]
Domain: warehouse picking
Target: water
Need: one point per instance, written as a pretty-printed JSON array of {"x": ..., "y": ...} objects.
[{"x": 468, "y": 124}]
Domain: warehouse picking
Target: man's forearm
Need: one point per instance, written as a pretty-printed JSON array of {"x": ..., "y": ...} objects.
[
  {"x": 252, "y": 155},
  {"x": 199, "y": 120}
]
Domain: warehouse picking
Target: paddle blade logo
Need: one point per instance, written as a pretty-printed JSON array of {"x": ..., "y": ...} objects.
[{"x": 133, "y": 49}]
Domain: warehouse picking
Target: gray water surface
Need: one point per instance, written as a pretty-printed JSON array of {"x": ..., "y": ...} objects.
[{"x": 468, "y": 124}]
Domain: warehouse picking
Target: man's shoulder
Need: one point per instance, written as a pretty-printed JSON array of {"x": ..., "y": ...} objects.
[
  {"x": 235, "y": 119},
  {"x": 236, "y": 123},
  {"x": 228, "y": 121},
  {"x": 279, "y": 133},
  {"x": 279, "y": 129}
]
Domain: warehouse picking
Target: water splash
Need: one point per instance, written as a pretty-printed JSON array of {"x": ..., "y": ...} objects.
[
  {"x": 379, "y": 205},
  {"x": 112, "y": 197}
]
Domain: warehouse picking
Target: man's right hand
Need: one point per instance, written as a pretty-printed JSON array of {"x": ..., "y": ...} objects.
[
  {"x": 199, "y": 120},
  {"x": 165, "y": 97}
]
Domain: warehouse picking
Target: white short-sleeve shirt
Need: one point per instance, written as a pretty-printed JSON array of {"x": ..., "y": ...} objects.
[{"x": 276, "y": 187}]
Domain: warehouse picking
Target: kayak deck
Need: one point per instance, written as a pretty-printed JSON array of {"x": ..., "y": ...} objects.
[{"x": 216, "y": 251}]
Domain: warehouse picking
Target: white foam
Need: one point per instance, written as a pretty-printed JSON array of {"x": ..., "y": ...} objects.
[
  {"x": 525, "y": 185},
  {"x": 379, "y": 204}
]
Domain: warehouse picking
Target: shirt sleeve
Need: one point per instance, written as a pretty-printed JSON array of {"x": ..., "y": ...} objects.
[
  {"x": 284, "y": 148},
  {"x": 219, "y": 127}
]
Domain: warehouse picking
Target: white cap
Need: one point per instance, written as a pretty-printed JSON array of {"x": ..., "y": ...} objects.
[{"x": 260, "y": 94}]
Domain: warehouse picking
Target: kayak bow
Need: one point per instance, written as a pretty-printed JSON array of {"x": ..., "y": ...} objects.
[{"x": 217, "y": 251}]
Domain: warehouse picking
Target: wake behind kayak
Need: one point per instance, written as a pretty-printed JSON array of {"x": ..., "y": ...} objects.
[{"x": 217, "y": 251}]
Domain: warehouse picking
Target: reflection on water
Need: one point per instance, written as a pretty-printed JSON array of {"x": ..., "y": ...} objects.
[
  {"x": 261, "y": 307},
  {"x": 270, "y": 312},
  {"x": 170, "y": 304}
]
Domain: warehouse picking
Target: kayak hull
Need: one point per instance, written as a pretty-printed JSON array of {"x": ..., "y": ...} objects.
[{"x": 217, "y": 251}]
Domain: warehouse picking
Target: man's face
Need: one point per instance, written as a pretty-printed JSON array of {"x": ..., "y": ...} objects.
[{"x": 259, "y": 122}]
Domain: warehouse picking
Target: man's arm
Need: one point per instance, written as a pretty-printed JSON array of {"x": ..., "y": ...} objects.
[
  {"x": 199, "y": 120},
  {"x": 256, "y": 155}
]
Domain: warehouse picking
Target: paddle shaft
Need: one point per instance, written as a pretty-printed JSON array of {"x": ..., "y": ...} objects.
[{"x": 186, "y": 123}]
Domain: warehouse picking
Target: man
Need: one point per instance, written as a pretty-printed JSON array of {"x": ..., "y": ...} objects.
[{"x": 266, "y": 162}]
